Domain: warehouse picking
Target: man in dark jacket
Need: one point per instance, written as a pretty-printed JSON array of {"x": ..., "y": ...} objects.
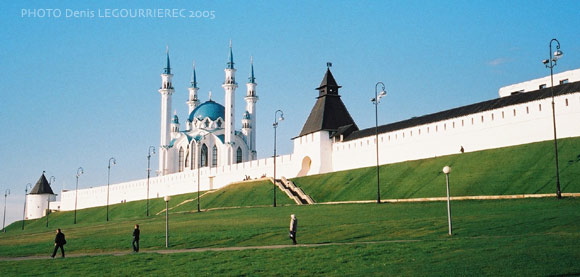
[
  {"x": 59, "y": 242},
  {"x": 136, "y": 234}
]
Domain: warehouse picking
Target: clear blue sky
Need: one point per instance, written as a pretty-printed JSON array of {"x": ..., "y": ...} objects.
[{"x": 77, "y": 91}]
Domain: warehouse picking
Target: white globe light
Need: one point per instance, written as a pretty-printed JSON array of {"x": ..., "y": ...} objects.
[
  {"x": 167, "y": 198},
  {"x": 446, "y": 169}
]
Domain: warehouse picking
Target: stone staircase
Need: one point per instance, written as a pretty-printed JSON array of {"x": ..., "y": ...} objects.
[{"x": 292, "y": 191}]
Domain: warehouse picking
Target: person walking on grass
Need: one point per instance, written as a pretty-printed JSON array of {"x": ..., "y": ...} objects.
[
  {"x": 59, "y": 242},
  {"x": 293, "y": 228},
  {"x": 136, "y": 234}
]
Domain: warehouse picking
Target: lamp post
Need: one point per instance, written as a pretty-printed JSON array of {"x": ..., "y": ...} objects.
[
  {"x": 51, "y": 181},
  {"x": 79, "y": 173},
  {"x": 6, "y": 193},
  {"x": 376, "y": 102},
  {"x": 29, "y": 185},
  {"x": 550, "y": 64},
  {"x": 276, "y": 119},
  {"x": 109, "y": 182},
  {"x": 167, "y": 198},
  {"x": 446, "y": 170},
  {"x": 151, "y": 151}
]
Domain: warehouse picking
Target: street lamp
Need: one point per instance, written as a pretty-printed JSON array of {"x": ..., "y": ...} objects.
[
  {"x": 151, "y": 151},
  {"x": 276, "y": 119},
  {"x": 550, "y": 64},
  {"x": 108, "y": 182},
  {"x": 6, "y": 193},
  {"x": 29, "y": 185},
  {"x": 167, "y": 198},
  {"x": 446, "y": 170},
  {"x": 79, "y": 173},
  {"x": 51, "y": 181},
  {"x": 376, "y": 102}
]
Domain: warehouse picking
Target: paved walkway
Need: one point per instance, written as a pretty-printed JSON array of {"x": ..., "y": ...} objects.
[
  {"x": 207, "y": 249},
  {"x": 455, "y": 198}
]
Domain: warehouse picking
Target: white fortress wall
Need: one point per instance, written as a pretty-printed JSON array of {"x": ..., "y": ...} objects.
[
  {"x": 569, "y": 76},
  {"x": 178, "y": 183},
  {"x": 479, "y": 131}
]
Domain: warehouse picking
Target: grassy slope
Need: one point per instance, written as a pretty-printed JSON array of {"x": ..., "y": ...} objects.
[
  {"x": 252, "y": 193},
  {"x": 511, "y": 170},
  {"x": 498, "y": 237}
]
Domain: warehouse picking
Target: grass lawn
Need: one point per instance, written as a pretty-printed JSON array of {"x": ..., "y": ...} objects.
[
  {"x": 494, "y": 237},
  {"x": 512, "y": 170}
]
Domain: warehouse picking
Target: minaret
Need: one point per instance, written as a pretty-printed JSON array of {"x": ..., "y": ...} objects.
[
  {"x": 193, "y": 101},
  {"x": 251, "y": 99},
  {"x": 166, "y": 91},
  {"x": 230, "y": 86}
]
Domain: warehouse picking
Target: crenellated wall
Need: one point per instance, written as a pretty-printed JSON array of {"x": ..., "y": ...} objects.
[
  {"x": 507, "y": 126},
  {"x": 178, "y": 183}
]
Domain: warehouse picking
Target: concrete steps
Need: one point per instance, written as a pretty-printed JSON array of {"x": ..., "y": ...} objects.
[{"x": 292, "y": 191}]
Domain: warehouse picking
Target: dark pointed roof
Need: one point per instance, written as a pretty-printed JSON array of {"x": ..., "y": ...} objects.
[
  {"x": 328, "y": 80},
  {"x": 329, "y": 112},
  {"x": 41, "y": 187}
]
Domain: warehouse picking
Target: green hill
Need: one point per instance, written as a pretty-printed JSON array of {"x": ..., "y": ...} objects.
[{"x": 523, "y": 169}]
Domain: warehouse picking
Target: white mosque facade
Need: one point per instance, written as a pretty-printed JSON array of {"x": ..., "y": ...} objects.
[{"x": 210, "y": 150}]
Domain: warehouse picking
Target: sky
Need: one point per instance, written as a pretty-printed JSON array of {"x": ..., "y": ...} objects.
[{"x": 80, "y": 79}]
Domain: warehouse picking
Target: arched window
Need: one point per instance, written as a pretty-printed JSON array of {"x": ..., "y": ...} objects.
[
  {"x": 181, "y": 159},
  {"x": 239, "y": 155},
  {"x": 214, "y": 156},
  {"x": 203, "y": 156}
]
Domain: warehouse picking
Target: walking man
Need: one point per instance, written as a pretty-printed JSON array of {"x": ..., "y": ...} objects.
[
  {"x": 59, "y": 242},
  {"x": 136, "y": 234},
  {"x": 293, "y": 228}
]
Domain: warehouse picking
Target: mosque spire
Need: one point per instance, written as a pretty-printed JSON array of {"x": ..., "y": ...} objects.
[
  {"x": 231, "y": 57},
  {"x": 168, "y": 67},
  {"x": 193, "y": 77},
  {"x": 252, "y": 79}
]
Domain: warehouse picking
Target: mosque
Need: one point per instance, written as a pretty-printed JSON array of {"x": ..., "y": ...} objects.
[
  {"x": 210, "y": 137},
  {"x": 210, "y": 153}
]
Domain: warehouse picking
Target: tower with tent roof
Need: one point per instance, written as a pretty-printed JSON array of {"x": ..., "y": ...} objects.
[{"x": 39, "y": 198}]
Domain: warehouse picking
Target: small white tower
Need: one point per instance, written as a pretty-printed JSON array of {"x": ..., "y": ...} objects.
[
  {"x": 175, "y": 126},
  {"x": 166, "y": 91},
  {"x": 229, "y": 86},
  {"x": 251, "y": 99},
  {"x": 37, "y": 201},
  {"x": 193, "y": 101}
]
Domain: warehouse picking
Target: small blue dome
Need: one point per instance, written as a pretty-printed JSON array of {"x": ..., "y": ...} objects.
[
  {"x": 247, "y": 115},
  {"x": 209, "y": 109},
  {"x": 175, "y": 119}
]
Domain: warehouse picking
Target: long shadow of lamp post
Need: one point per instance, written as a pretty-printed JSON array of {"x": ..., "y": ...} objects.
[
  {"x": 275, "y": 125},
  {"x": 376, "y": 102},
  {"x": 550, "y": 64}
]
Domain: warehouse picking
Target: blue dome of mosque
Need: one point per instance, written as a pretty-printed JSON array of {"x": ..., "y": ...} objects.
[{"x": 209, "y": 109}]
